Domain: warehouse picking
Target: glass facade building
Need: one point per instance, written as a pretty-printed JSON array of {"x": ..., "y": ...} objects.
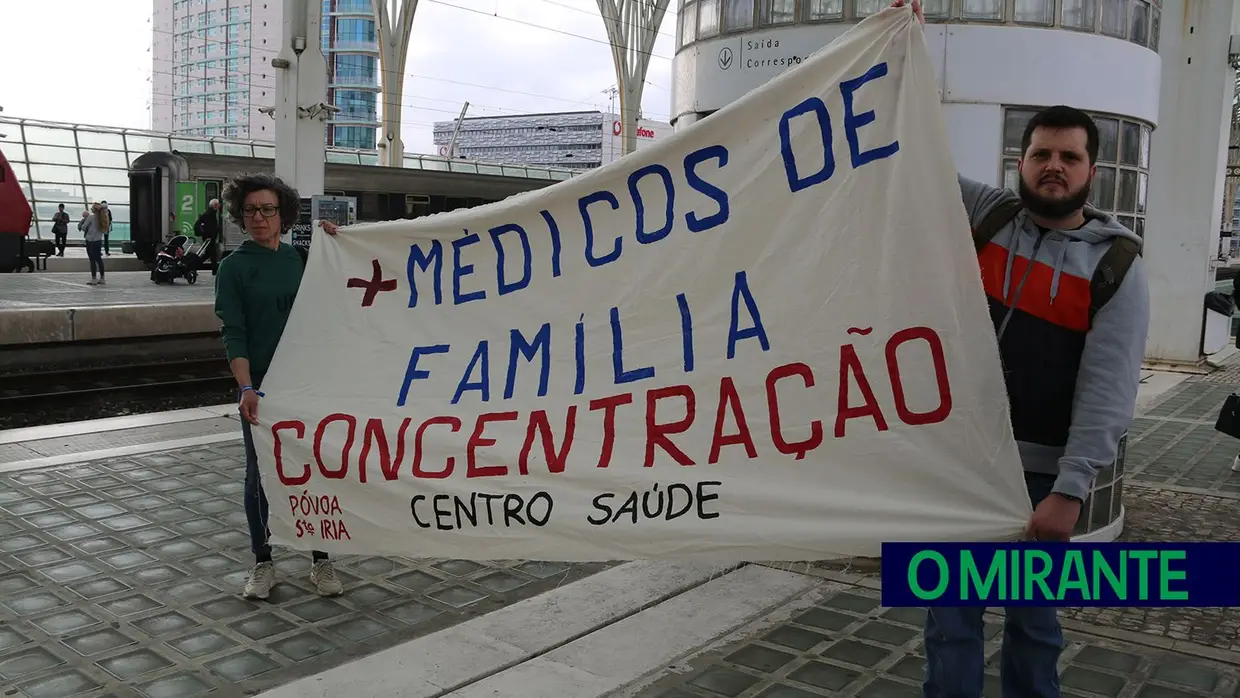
[
  {"x": 579, "y": 140},
  {"x": 350, "y": 41},
  {"x": 76, "y": 165},
  {"x": 211, "y": 69}
]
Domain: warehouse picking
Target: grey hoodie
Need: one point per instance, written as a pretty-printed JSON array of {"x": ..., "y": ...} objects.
[
  {"x": 92, "y": 229},
  {"x": 1072, "y": 385}
]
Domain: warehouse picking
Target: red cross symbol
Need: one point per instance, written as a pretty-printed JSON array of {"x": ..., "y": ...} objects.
[{"x": 373, "y": 285}]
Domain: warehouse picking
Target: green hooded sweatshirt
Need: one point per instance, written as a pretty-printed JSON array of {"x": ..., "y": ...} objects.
[{"x": 254, "y": 293}]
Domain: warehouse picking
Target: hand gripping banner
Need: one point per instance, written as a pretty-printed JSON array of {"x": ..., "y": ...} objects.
[{"x": 763, "y": 338}]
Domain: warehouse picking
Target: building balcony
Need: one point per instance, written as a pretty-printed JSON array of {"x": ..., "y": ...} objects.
[
  {"x": 349, "y": 82},
  {"x": 355, "y": 119},
  {"x": 366, "y": 47}
]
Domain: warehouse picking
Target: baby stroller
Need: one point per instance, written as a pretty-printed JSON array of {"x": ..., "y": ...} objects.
[{"x": 172, "y": 261}]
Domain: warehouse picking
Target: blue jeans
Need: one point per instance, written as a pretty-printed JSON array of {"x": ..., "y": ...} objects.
[
  {"x": 256, "y": 511},
  {"x": 1032, "y": 641},
  {"x": 94, "y": 251}
]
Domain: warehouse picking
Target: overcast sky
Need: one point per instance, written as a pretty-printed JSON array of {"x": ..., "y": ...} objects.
[{"x": 76, "y": 62}]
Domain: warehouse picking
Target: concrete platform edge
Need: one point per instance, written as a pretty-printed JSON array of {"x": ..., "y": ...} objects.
[
  {"x": 96, "y": 426},
  {"x": 618, "y": 655},
  {"x": 435, "y": 665},
  {"x": 23, "y": 326},
  {"x": 75, "y": 458}
]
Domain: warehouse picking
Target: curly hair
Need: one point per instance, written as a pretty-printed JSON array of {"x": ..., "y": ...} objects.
[{"x": 241, "y": 186}]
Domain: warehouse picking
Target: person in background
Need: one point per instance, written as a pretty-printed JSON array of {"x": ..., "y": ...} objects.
[
  {"x": 107, "y": 250},
  {"x": 60, "y": 230},
  {"x": 254, "y": 293},
  {"x": 94, "y": 227},
  {"x": 207, "y": 227}
]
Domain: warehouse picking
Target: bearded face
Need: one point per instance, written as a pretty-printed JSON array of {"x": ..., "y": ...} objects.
[{"x": 1055, "y": 173}]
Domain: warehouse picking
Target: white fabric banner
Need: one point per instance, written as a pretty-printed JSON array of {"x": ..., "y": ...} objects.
[{"x": 762, "y": 338}]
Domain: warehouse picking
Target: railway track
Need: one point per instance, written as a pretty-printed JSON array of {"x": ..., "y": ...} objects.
[{"x": 62, "y": 388}]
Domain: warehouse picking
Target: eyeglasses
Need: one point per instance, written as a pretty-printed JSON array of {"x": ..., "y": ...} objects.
[{"x": 266, "y": 210}]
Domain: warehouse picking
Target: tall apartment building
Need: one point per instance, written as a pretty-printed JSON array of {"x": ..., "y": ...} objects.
[
  {"x": 212, "y": 68},
  {"x": 579, "y": 140}
]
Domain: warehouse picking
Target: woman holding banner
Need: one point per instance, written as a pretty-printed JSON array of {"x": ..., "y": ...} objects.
[{"x": 254, "y": 294}]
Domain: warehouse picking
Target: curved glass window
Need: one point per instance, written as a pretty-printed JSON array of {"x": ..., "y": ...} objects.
[
  {"x": 353, "y": 30},
  {"x": 1114, "y": 21},
  {"x": 1121, "y": 183},
  {"x": 982, "y": 10},
  {"x": 1034, "y": 12},
  {"x": 359, "y": 137},
  {"x": 865, "y": 8},
  {"x": 737, "y": 15},
  {"x": 353, "y": 6},
  {"x": 1137, "y": 21},
  {"x": 777, "y": 11},
  {"x": 356, "y": 105},
  {"x": 823, "y": 10},
  {"x": 103, "y": 158},
  {"x": 48, "y": 136},
  {"x": 52, "y": 155},
  {"x": 708, "y": 18},
  {"x": 688, "y": 24},
  {"x": 356, "y": 69}
]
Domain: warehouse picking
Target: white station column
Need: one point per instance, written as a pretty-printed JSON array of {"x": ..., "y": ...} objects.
[
  {"x": 1188, "y": 155},
  {"x": 632, "y": 26},
  {"x": 395, "y": 21},
  {"x": 301, "y": 98}
]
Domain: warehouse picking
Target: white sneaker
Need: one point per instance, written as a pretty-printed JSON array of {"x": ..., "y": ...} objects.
[
  {"x": 323, "y": 577},
  {"x": 92, "y": 282},
  {"x": 101, "y": 282},
  {"x": 262, "y": 578},
  {"x": 1235, "y": 464}
]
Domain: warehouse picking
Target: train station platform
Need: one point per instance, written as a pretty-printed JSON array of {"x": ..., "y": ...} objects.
[
  {"x": 75, "y": 260},
  {"x": 48, "y": 307},
  {"x": 123, "y": 549}
]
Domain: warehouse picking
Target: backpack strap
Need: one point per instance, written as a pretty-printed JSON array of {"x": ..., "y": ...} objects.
[
  {"x": 999, "y": 216},
  {"x": 1110, "y": 272}
]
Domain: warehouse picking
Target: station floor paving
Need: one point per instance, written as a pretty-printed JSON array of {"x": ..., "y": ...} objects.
[
  {"x": 120, "y": 571},
  {"x": 120, "y": 576},
  {"x": 69, "y": 290},
  {"x": 1180, "y": 488}
]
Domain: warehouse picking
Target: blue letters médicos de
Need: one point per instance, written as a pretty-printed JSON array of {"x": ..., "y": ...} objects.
[{"x": 451, "y": 278}]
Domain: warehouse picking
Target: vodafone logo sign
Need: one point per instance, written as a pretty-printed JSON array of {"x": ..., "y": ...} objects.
[{"x": 642, "y": 132}]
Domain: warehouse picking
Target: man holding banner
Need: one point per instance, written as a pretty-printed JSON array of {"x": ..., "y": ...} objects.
[{"x": 1070, "y": 304}]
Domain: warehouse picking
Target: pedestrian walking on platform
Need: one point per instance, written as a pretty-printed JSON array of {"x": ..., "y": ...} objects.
[
  {"x": 60, "y": 230},
  {"x": 1069, "y": 299},
  {"x": 107, "y": 212},
  {"x": 207, "y": 227},
  {"x": 254, "y": 293},
  {"x": 93, "y": 228}
]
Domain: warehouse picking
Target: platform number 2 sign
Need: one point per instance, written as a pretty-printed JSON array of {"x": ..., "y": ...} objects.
[{"x": 188, "y": 194}]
